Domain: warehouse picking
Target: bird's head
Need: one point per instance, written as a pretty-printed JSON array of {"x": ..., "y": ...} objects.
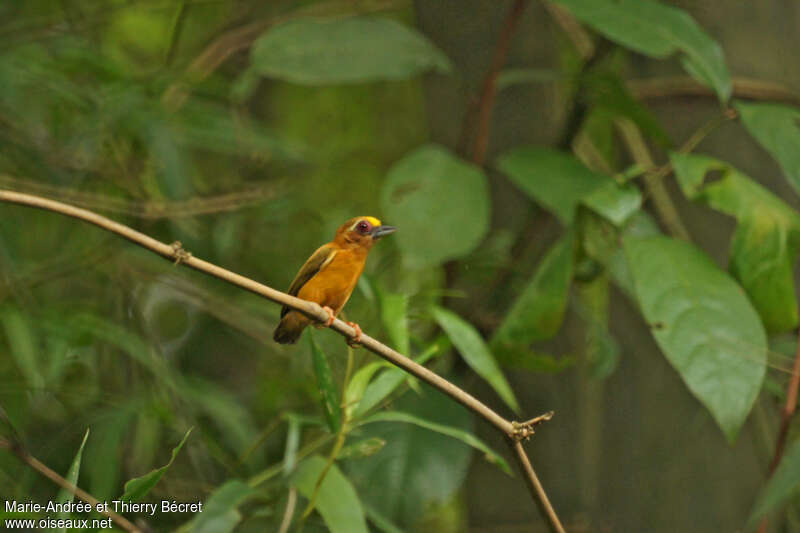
[{"x": 362, "y": 232}]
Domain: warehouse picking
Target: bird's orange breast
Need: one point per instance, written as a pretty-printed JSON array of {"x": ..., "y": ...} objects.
[{"x": 333, "y": 285}]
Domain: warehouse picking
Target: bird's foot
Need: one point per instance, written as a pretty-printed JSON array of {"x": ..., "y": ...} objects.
[
  {"x": 331, "y": 318},
  {"x": 355, "y": 341}
]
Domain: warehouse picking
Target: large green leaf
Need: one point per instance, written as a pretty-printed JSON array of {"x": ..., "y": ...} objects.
[
  {"x": 783, "y": 485},
  {"x": 703, "y": 322},
  {"x": 538, "y": 311},
  {"x": 328, "y": 394},
  {"x": 138, "y": 487},
  {"x": 337, "y": 500},
  {"x": 345, "y": 50},
  {"x": 23, "y": 346},
  {"x": 457, "y": 433},
  {"x": 474, "y": 351},
  {"x": 559, "y": 182},
  {"x": 394, "y": 313},
  {"x": 439, "y": 202},
  {"x": 777, "y": 128},
  {"x": 766, "y": 241},
  {"x": 65, "y": 495},
  {"x": 220, "y": 513},
  {"x": 417, "y": 468},
  {"x": 657, "y": 30}
]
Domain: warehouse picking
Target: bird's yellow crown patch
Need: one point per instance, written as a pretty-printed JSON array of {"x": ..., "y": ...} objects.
[{"x": 372, "y": 220}]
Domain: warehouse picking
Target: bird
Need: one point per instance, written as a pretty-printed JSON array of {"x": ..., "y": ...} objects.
[{"x": 329, "y": 276}]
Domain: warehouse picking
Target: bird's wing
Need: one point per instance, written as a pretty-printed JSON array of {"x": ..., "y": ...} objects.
[{"x": 317, "y": 262}]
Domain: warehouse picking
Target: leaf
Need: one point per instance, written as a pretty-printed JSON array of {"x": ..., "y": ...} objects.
[
  {"x": 538, "y": 311},
  {"x": 358, "y": 384},
  {"x": 432, "y": 231},
  {"x": 475, "y": 353},
  {"x": 767, "y": 238},
  {"x": 394, "y": 313},
  {"x": 657, "y": 30},
  {"x": 782, "y": 486},
  {"x": 337, "y": 500},
  {"x": 220, "y": 513},
  {"x": 344, "y": 50},
  {"x": 292, "y": 443},
  {"x": 418, "y": 468},
  {"x": 702, "y": 321},
  {"x": 362, "y": 448},
  {"x": 23, "y": 346},
  {"x": 64, "y": 495},
  {"x": 777, "y": 129},
  {"x": 387, "y": 383},
  {"x": 464, "y": 436},
  {"x": 559, "y": 182},
  {"x": 138, "y": 487},
  {"x": 328, "y": 394}
]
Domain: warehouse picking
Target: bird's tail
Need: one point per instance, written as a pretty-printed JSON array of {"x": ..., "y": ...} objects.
[{"x": 290, "y": 328}]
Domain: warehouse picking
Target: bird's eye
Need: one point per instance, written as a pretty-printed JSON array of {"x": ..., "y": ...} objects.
[{"x": 363, "y": 226}]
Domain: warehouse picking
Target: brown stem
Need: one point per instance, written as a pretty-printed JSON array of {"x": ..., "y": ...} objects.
[
  {"x": 481, "y": 111},
  {"x": 537, "y": 491},
  {"x": 49, "y": 473},
  {"x": 786, "y": 418},
  {"x": 677, "y": 86},
  {"x": 513, "y": 430}
]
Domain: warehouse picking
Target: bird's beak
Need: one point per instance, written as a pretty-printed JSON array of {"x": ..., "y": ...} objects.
[{"x": 380, "y": 231}]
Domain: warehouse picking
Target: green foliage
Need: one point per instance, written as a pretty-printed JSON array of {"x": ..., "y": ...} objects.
[
  {"x": 329, "y": 396},
  {"x": 476, "y": 353},
  {"x": 65, "y": 495},
  {"x": 559, "y": 182},
  {"x": 337, "y": 500},
  {"x": 220, "y": 511},
  {"x": 437, "y": 469},
  {"x": 137, "y": 488},
  {"x": 704, "y": 324},
  {"x": 781, "y": 487},
  {"x": 538, "y": 311},
  {"x": 765, "y": 245},
  {"x": 776, "y": 128},
  {"x": 412, "y": 198},
  {"x": 349, "y": 50},
  {"x": 657, "y": 30}
]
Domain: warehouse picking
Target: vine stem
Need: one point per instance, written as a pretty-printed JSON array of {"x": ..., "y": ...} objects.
[
  {"x": 513, "y": 430},
  {"x": 56, "y": 478},
  {"x": 786, "y": 418}
]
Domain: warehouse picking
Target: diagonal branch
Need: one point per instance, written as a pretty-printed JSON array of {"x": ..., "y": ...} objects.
[{"x": 514, "y": 431}]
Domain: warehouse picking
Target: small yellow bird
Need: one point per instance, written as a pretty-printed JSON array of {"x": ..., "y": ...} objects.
[{"x": 330, "y": 275}]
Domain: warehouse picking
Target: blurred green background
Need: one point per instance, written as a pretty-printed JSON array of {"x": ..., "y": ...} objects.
[{"x": 249, "y": 131}]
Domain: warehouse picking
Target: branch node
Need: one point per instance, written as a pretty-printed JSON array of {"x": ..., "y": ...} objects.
[
  {"x": 179, "y": 253},
  {"x": 524, "y": 430}
]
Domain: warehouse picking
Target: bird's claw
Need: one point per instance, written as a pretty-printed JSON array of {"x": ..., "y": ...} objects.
[
  {"x": 354, "y": 341},
  {"x": 331, "y": 318}
]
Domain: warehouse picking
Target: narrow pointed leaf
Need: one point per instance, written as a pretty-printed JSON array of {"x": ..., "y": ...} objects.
[
  {"x": 475, "y": 353},
  {"x": 464, "y": 436},
  {"x": 220, "y": 511},
  {"x": 65, "y": 495},
  {"x": 137, "y": 488},
  {"x": 328, "y": 394},
  {"x": 538, "y": 311}
]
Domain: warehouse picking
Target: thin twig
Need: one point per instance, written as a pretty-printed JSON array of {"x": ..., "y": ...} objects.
[
  {"x": 677, "y": 86},
  {"x": 177, "y": 254},
  {"x": 482, "y": 110},
  {"x": 539, "y": 495},
  {"x": 653, "y": 184},
  {"x": 49, "y": 473},
  {"x": 289, "y": 512},
  {"x": 786, "y": 418}
]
